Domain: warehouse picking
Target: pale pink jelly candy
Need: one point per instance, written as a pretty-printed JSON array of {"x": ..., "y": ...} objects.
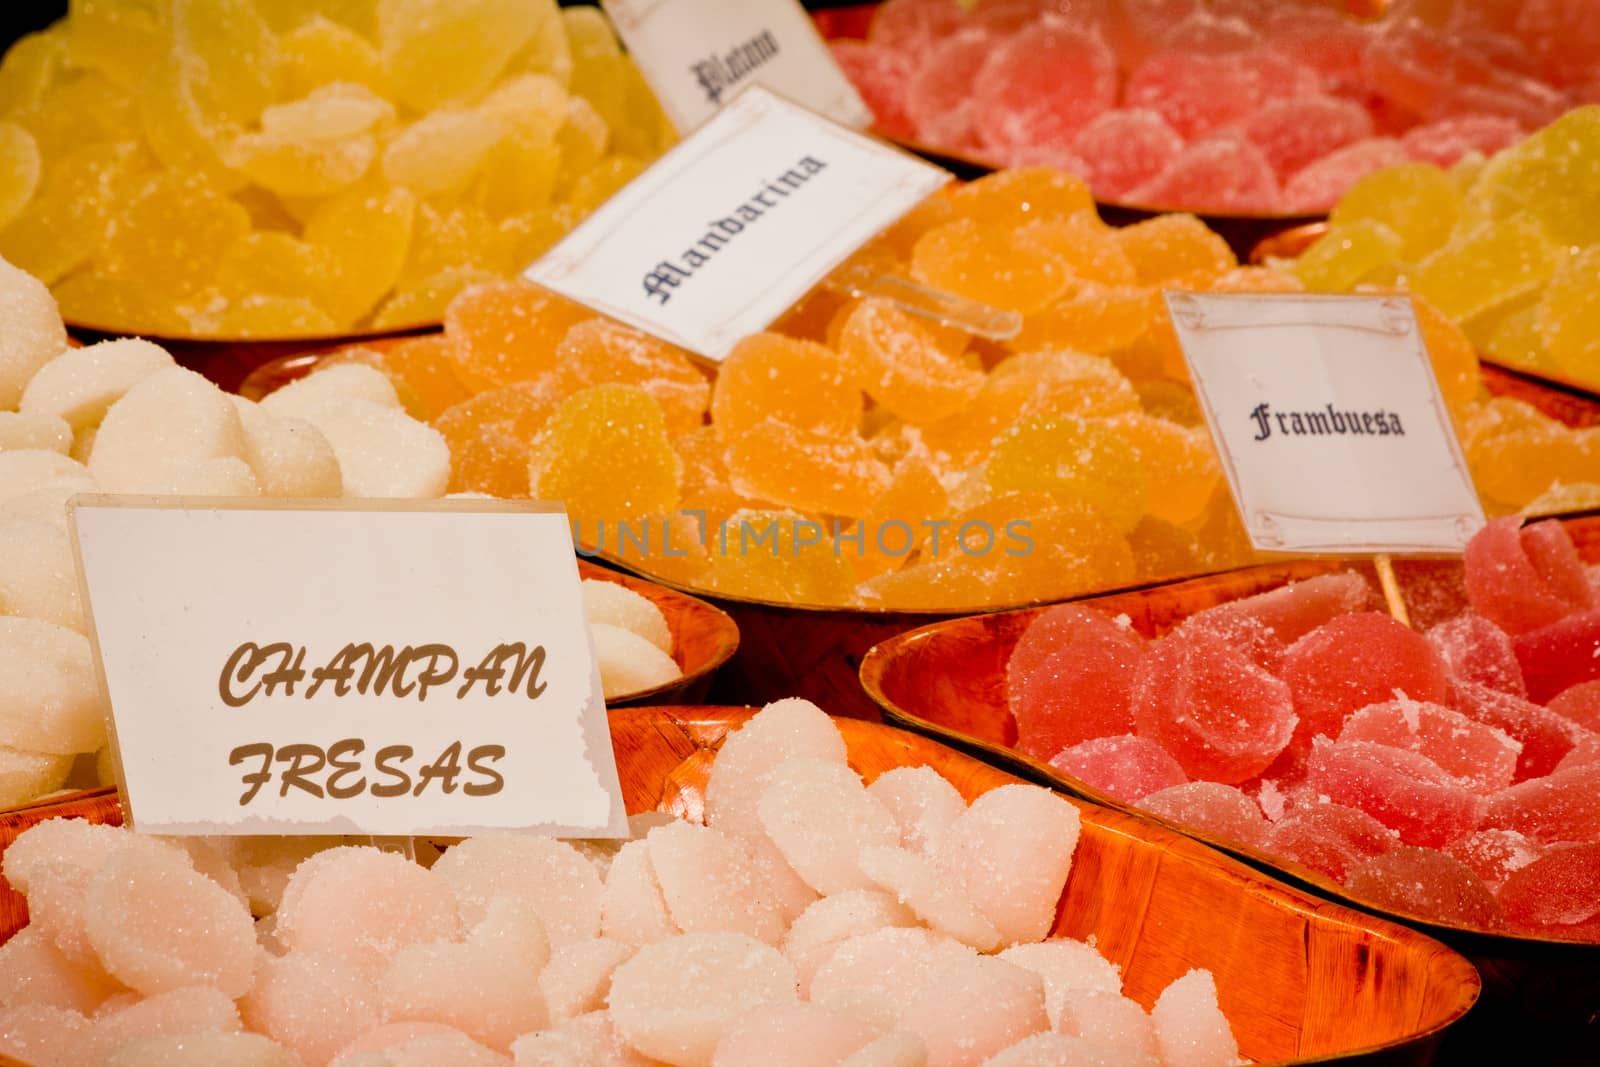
[
  {"x": 1124, "y": 148},
  {"x": 454, "y": 1048},
  {"x": 632, "y": 909},
  {"x": 1291, "y": 133},
  {"x": 1546, "y": 737},
  {"x": 825, "y": 924},
  {"x": 885, "y": 965},
  {"x": 1330, "y": 838},
  {"x": 1043, "y": 84},
  {"x": 922, "y": 801},
  {"x": 1212, "y": 807},
  {"x": 1427, "y": 883},
  {"x": 820, "y": 816},
  {"x": 1444, "y": 142},
  {"x": 1127, "y": 767},
  {"x": 1524, "y": 578},
  {"x": 364, "y": 904},
  {"x": 709, "y": 882},
  {"x": 1220, "y": 174},
  {"x": 1268, "y": 623},
  {"x": 33, "y": 971},
  {"x": 1190, "y": 1027},
  {"x": 1564, "y": 806},
  {"x": 312, "y": 1002},
  {"x": 578, "y": 976},
  {"x": 1580, "y": 703},
  {"x": 43, "y": 1036},
  {"x": 974, "y": 1008},
  {"x": 1557, "y": 657},
  {"x": 157, "y": 925},
  {"x": 879, "y": 75},
  {"x": 1560, "y": 888},
  {"x": 1494, "y": 855},
  {"x": 552, "y": 877},
  {"x": 785, "y": 730},
  {"x": 1011, "y": 851},
  {"x": 1058, "y": 1050},
  {"x": 1356, "y": 660},
  {"x": 1066, "y": 966},
  {"x": 1404, "y": 790},
  {"x": 1081, "y": 688},
  {"x": 938, "y": 97},
  {"x": 1110, "y": 1021},
  {"x": 1481, "y": 756},
  {"x": 1319, "y": 185},
  {"x": 1220, "y": 715},
  {"x": 1476, "y": 650},
  {"x": 936, "y": 898},
  {"x": 803, "y": 1035}
]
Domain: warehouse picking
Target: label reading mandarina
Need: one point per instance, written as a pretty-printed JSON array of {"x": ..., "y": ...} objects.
[
  {"x": 737, "y": 222},
  {"x": 391, "y": 669},
  {"x": 1328, "y": 420}
]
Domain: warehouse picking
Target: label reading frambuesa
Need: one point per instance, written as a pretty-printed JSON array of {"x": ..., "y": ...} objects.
[
  {"x": 1329, "y": 422},
  {"x": 308, "y": 668},
  {"x": 698, "y": 54},
  {"x": 735, "y": 224}
]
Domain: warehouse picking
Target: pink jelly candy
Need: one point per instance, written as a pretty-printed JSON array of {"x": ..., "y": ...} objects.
[
  {"x": 364, "y": 905},
  {"x": 1268, "y": 623},
  {"x": 1293, "y": 133},
  {"x": 1205, "y": 31},
  {"x": 1220, "y": 715},
  {"x": 908, "y": 25},
  {"x": 1330, "y": 838},
  {"x": 1198, "y": 93},
  {"x": 1557, "y": 657},
  {"x": 1404, "y": 790},
  {"x": 1320, "y": 39},
  {"x": 880, "y": 76},
  {"x": 938, "y": 97},
  {"x": 1494, "y": 854},
  {"x": 1124, "y": 148},
  {"x": 1524, "y": 578},
  {"x": 1564, "y": 806},
  {"x": 1427, "y": 883},
  {"x": 1355, "y": 660},
  {"x": 1222, "y": 174},
  {"x": 1580, "y": 703},
  {"x": 1042, "y": 85},
  {"x": 1083, "y": 686},
  {"x": 1546, "y": 737},
  {"x": 1444, "y": 142},
  {"x": 1476, "y": 650},
  {"x": 1136, "y": 28},
  {"x": 1126, "y": 767},
  {"x": 1560, "y": 888},
  {"x": 1220, "y": 810},
  {"x": 1320, "y": 184},
  {"x": 1481, "y": 756}
]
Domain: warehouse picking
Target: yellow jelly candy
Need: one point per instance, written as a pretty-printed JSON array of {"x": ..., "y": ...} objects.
[
  {"x": 597, "y": 62},
  {"x": 1180, "y": 465},
  {"x": 366, "y": 236},
  {"x": 179, "y": 129},
  {"x": 66, "y": 220},
  {"x": 1092, "y": 318},
  {"x": 20, "y": 168},
  {"x": 598, "y": 351},
  {"x": 314, "y": 146},
  {"x": 644, "y": 131},
  {"x": 508, "y": 331},
  {"x": 263, "y": 315},
  {"x": 986, "y": 264},
  {"x": 1560, "y": 499},
  {"x": 529, "y": 108},
  {"x": 897, "y": 360},
  {"x": 117, "y": 39},
  {"x": 1569, "y": 315},
  {"x": 442, "y": 51},
  {"x": 273, "y": 264},
  {"x": 806, "y": 470},
  {"x": 1551, "y": 176},
  {"x": 91, "y": 299},
  {"x": 799, "y": 383},
  {"x": 81, "y": 111},
  {"x": 517, "y": 179},
  {"x": 441, "y": 152},
  {"x": 1008, "y": 198},
  {"x": 1487, "y": 267},
  {"x": 605, "y": 452},
  {"x": 1417, "y": 202},
  {"x": 1220, "y": 533},
  {"x": 1172, "y": 248},
  {"x": 548, "y": 51},
  {"x": 1347, "y": 254},
  {"x": 1162, "y": 550},
  {"x": 1087, "y": 247},
  {"x": 237, "y": 51},
  {"x": 320, "y": 51},
  {"x": 285, "y": 16},
  {"x": 603, "y": 179},
  {"x": 1515, "y": 338},
  {"x": 424, "y": 303},
  {"x": 1072, "y": 459},
  {"x": 778, "y": 556},
  {"x": 172, "y": 234},
  {"x": 451, "y": 238},
  {"x": 28, "y": 69},
  {"x": 583, "y": 139},
  {"x": 1455, "y": 361}
]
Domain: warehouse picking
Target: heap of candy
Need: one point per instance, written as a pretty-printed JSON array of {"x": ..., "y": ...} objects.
[
  {"x": 815, "y": 920},
  {"x": 225, "y": 168},
  {"x": 1257, "y": 107},
  {"x": 1510, "y": 250},
  {"x": 122, "y": 417},
  {"x": 1453, "y": 775}
]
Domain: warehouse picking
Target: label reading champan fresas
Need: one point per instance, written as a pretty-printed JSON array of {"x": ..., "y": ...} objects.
[
  {"x": 1329, "y": 422},
  {"x": 735, "y": 224},
  {"x": 311, "y": 668},
  {"x": 698, "y": 54}
]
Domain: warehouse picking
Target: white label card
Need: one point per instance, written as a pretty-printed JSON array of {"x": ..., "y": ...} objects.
[
  {"x": 735, "y": 224},
  {"x": 1329, "y": 421},
  {"x": 698, "y": 54},
  {"x": 308, "y": 667}
]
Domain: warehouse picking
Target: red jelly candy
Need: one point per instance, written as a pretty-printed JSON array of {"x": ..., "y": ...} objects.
[
  {"x": 1444, "y": 142},
  {"x": 1482, "y": 756},
  {"x": 1042, "y": 85},
  {"x": 1288, "y": 613},
  {"x": 1219, "y": 714},
  {"x": 1523, "y": 578},
  {"x": 1355, "y": 660},
  {"x": 1293, "y": 133},
  {"x": 1560, "y": 888},
  {"x": 1584, "y": 753},
  {"x": 1580, "y": 703},
  {"x": 1560, "y": 656},
  {"x": 1546, "y": 737},
  {"x": 939, "y": 95},
  {"x": 1319, "y": 185},
  {"x": 1320, "y": 39},
  {"x": 1494, "y": 854},
  {"x": 1082, "y": 689},
  {"x": 910, "y": 25},
  {"x": 880, "y": 75},
  {"x": 1564, "y": 806},
  {"x": 1426, "y": 883},
  {"x": 1404, "y": 790},
  {"x": 1217, "y": 809},
  {"x": 1125, "y": 767},
  {"x": 1125, "y": 148},
  {"x": 1476, "y": 650},
  {"x": 1330, "y": 838},
  {"x": 1223, "y": 174}
]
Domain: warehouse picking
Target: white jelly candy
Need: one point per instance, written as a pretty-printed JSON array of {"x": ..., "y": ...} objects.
[
  {"x": 31, "y": 332},
  {"x": 617, "y": 605},
  {"x": 81, "y": 384},
  {"x": 48, "y": 433},
  {"x": 49, "y": 698}
]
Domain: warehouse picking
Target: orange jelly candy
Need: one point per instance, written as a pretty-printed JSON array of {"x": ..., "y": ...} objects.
[
  {"x": 806, "y": 470},
  {"x": 1176, "y": 248},
  {"x": 508, "y": 331},
  {"x": 1180, "y": 465},
  {"x": 898, "y": 361},
  {"x": 1008, "y": 198},
  {"x": 988, "y": 265},
  {"x": 489, "y": 436},
  {"x": 598, "y": 351},
  {"x": 779, "y": 556},
  {"x": 799, "y": 383}
]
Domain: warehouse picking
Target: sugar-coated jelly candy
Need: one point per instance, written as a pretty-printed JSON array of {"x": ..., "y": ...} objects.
[
  {"x": 1127, "y": 767},
  {"x": 1220, "y": 810},
  {"x": 1477, "y": 754},
  {"x": 1401, "y": 788},
  {"x": 1355, "y": 660},
  {"x": 1330, "y": 838},
  {"x": 605, "y": 452},
  {"x": 1080, "y": 688},
  {"x": 1427, "y": 883}
]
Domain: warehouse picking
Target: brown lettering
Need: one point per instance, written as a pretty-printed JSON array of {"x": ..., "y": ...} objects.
[
  {"x": 304, "y": 761},
  {"x": 257, "y": 778},
  {"x": 350, "y": 746},
  {"x": 475, "y": 763}
]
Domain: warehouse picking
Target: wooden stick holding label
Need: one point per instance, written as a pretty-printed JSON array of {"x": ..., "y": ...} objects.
[{"x": 1391, "y": 589}]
